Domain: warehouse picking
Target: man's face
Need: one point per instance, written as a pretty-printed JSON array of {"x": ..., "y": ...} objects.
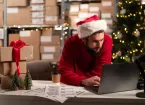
[{"x": 95, "y": 42}]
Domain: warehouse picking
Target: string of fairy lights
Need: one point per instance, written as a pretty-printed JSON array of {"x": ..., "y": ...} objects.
[{"x": 118, "y": 34}]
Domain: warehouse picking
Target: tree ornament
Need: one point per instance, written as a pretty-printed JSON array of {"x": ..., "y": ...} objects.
[{"x": 123, "y": 11}]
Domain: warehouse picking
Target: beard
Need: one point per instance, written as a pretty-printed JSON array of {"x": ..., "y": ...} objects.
[{"x": 92, "y": 51}]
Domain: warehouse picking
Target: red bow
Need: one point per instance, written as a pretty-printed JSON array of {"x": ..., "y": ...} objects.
[{"x": 17, "y": 45}]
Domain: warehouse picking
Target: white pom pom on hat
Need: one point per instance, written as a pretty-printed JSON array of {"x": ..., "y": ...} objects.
[{"x": 90, "y": 25}]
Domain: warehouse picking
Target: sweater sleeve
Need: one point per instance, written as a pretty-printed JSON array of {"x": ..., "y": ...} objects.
[
  {"x": 66, "y": 66},
  {"x": 104, "y": 58}
]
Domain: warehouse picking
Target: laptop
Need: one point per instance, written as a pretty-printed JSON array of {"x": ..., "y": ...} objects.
[{"x": 117, "y": 78}]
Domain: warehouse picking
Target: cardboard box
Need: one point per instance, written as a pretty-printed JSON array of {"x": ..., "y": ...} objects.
[
  {"x": 51, "y": 20},
  {"x": 106, "y": 3},
  {"x": 50, "y": 3},
  {"x": 9, "y": 68},
  {"x": 1, "y": 7},
  {"x": 17, "y": 3},
  {"x": 48, "y": 40},
  {"x": 50, "y": 49},
  {"x": 13, "y": 37},
  {"x": 37, "y": 1},
  {"x": 30, "y": 37},
  {"x": 38, "y": 7},
  {"x": 84, "y": 7},
  {"x": 18, "y": 16},
  {"x": 1, "y": 43},
  {"x": 37, "y": 14},
  {"x": 94, "y": 13},
  {"x": 38, "y": 21},
  {"x": 36, "y": 53},
  {"x": 1, "y": 1},
  {"x": 74, "y": 20},
  {"x": 83, "y": 15},
  {"x": 6, "y": 81},
  {"x": 1, "y": 18},
  {"x": 94, "y": 7},
  {"x": 51, "y": 11},
  {"x": 13, "y": 67},
  {"x": 25, "y": 53},
  {"x": 4, "y": 68},
  {"x": 52, "y": 57},
  {"x": 74, "y": 9},
  {"x": 47, "y": 32}
]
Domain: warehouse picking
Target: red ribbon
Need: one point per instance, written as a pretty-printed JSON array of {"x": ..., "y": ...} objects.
[{"x": 17, "y": 45}]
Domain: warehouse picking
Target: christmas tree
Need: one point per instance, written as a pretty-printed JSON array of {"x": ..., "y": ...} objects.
[
  {"x": 128, "y": 31},
  {"x": 28, "y": 80},
  {"x": 15, "y": 82}
]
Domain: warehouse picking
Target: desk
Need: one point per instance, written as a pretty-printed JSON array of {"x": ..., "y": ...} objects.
[{"x": 121, "y": 98}]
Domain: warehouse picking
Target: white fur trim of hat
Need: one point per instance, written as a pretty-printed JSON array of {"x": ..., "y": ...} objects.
[{"x": 90, "y": 25}]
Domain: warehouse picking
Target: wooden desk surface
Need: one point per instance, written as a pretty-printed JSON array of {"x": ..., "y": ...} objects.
[{"x": 88, "y": 98}]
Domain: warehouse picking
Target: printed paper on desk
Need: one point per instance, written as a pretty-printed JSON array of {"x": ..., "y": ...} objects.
[
  {"x": 51, "y": 18},
  {"x": 47, "y": 56},
  {"x": 84, "y": 6},
  {"x": 106, "y": 15},
  {"x": 37, "y": 1},
  {"x": 46, "y": 39},
  {"x": 94, "y": 9},
  {"x": 52, "y": 90},
  {"x": 25, "y": 33},
  {"x": 107, "y": 3},
  {"x": 12, "y": 10},
  {"x": 1, "y": 33},
  {"x": 50, "y": 49},
  {"x": 67, "y": 91}
]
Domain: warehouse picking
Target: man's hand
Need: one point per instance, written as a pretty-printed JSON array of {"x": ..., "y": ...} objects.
[{"x": 93, "y": 81}]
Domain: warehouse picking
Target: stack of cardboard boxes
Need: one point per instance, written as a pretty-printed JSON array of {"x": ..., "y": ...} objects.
[
  {"x": 37, "y": 11},
  {"x": 51, "y": 12},
  {"x": 82, "y": 11},
  {"x": 50, "y": 46},
  {"x": 30, "y": 38},
  {"x": 8, "y": 66},
  {"x": 31, "y": 12},
  {"x": 104, "y": 10}
]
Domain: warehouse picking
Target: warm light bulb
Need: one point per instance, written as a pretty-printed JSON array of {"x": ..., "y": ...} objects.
[{"x": 122, "y": 41}]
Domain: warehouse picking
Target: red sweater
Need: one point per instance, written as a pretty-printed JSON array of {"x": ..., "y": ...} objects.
[{"x": 77, "y": 63}]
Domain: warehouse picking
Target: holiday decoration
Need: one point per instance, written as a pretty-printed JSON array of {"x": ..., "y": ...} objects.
[
  {"x": 128, "y": 32},
  {"x": 15, "y": 82},
  {"x": 28, "y": 81}
]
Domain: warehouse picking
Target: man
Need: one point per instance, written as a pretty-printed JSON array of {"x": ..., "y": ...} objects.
[{"x": 85, "y": 53}]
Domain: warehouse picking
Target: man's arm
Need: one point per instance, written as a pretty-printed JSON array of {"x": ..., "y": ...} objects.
[
  {"x": 104, "y": 58},
  {"x": 66, "y": 66}
]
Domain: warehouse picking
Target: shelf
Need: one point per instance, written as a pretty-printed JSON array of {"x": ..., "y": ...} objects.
[
  {"x": 31, "y": 26},
  {"x": 81, "y": 1}
]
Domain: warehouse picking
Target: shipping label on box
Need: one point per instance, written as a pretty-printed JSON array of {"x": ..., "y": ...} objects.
[
  {"x": 25, "y": 33},
  {"x": 37, "y": 1},
  {"x": 74, "y": 8},
  {"x": 51, "y": 18},
  {"x": 12, "y": 10},
  {"x": 106, "y": 15},
  {"x": 37, "y": 7},
  {"x": 93, "y": 9},
  {"x": 109, "y": 21},
  {"x": 46, "y": 39},
  {"x": 83, "y": 15},
  {"x": 49, "y": 49},
  {"x": 1, "y": 33},
  {"x": 38, "y": 21},
  {"x": 47, "y": 56},
  {"x": 106, "y": 3},
  {"x": 37, "y": 14}
]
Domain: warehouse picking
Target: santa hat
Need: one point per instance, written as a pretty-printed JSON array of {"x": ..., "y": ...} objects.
[{"x": 90, "y": 25}]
